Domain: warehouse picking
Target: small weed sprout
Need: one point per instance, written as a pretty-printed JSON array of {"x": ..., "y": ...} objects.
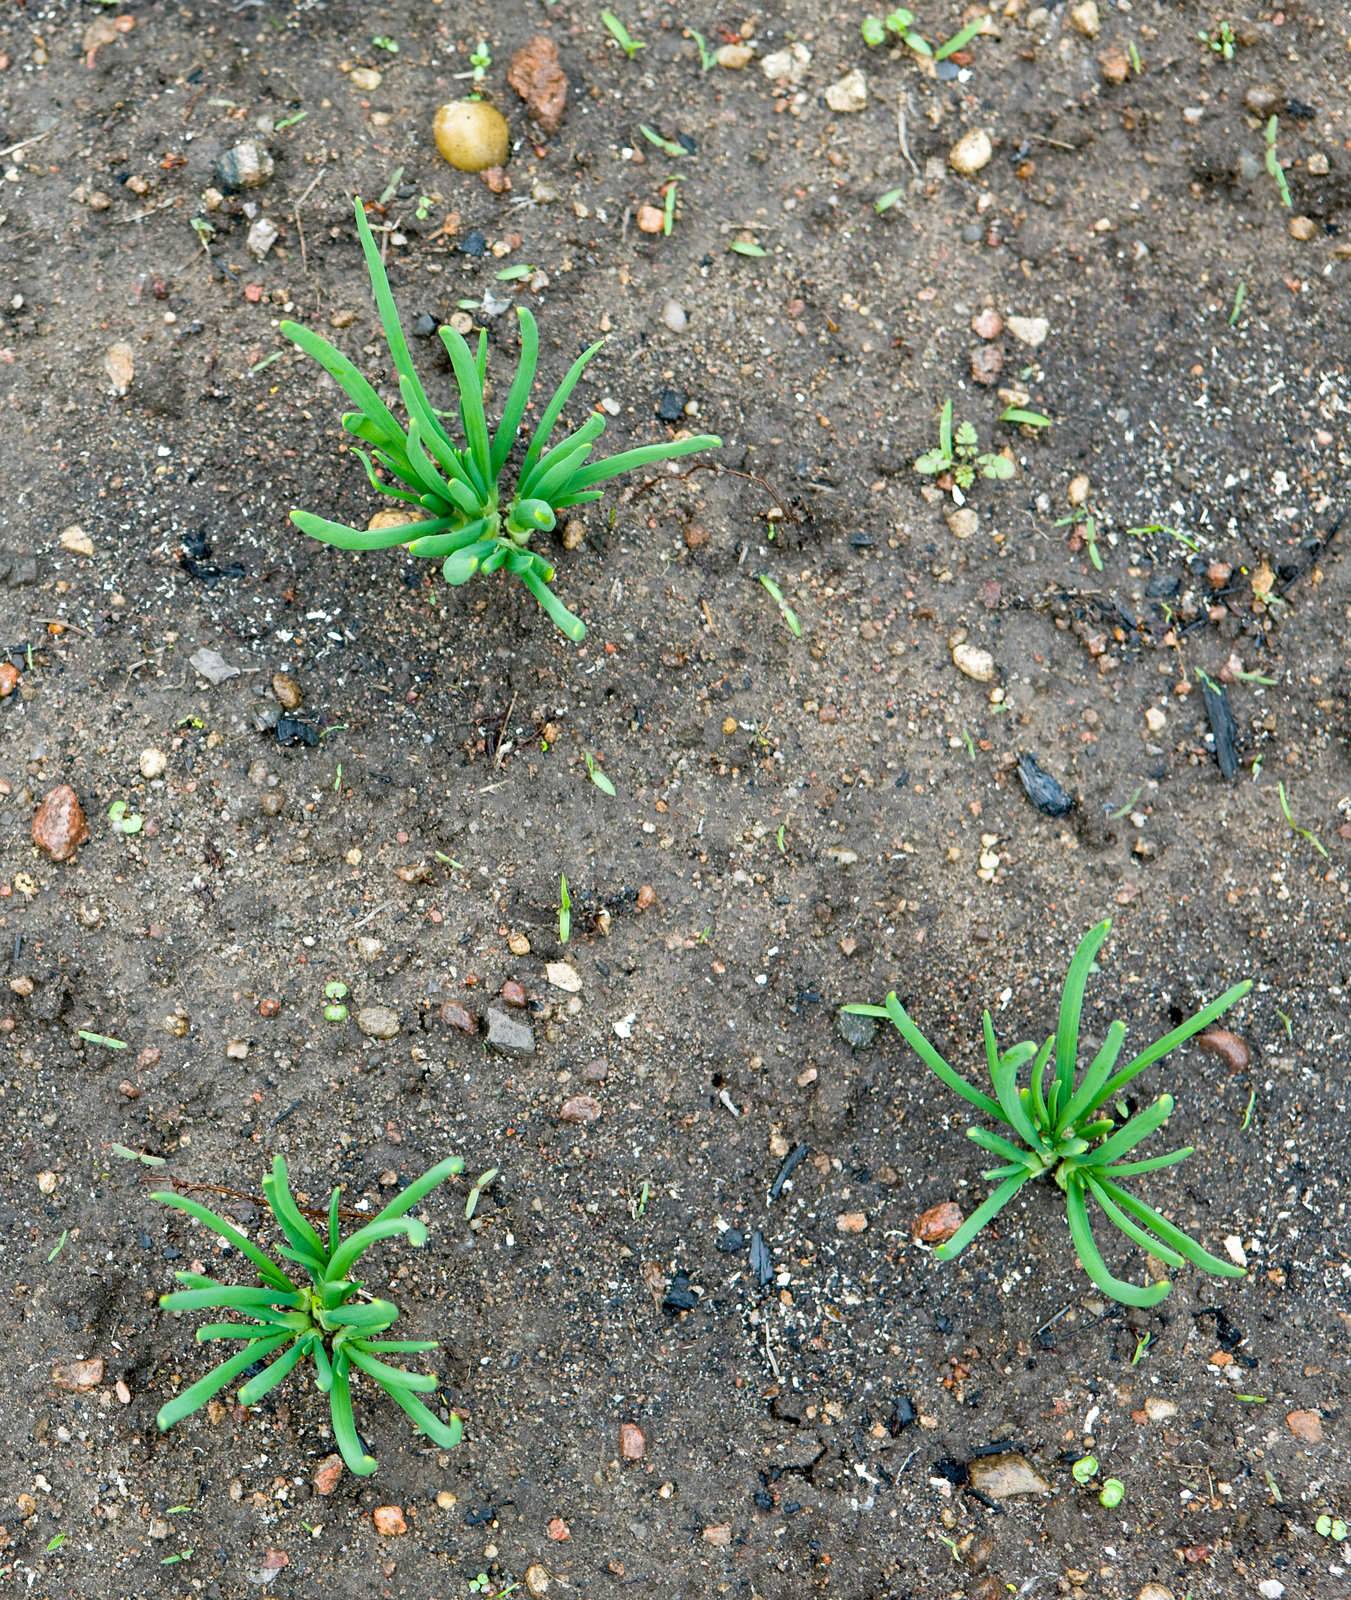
[
  {"x": 564, "y": 909},
  {"x": 474, "y": 526},
  {"x": 1221, "y": 40},
  {"x": 958, "y": 454},
  {"x": 1273, "y": 162},
  {"x": 1068, "y": 1130},
  {"x": 621, "y": 35},
  {"x": 329, "y": 1320},
  {"x": 900, "y": 25}
]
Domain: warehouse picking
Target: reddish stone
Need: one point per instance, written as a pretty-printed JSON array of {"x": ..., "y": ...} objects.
[
  {"x": 558, "y": 1530},
  {"x": 632, "y": 1444},
  {"x": 77, "y": 1377},
  {"x": 513, "y": 993},
  {"x": 59, "y": 826},
  {"x": 1230, "y": 1048},
  {"x": 269, "y": 1007},
  {"x": 647, "y": 897},
  {"x": 389, "y": 1521},
  {"x": 327, "y": 1474},
  {"x": 938, "y": 1223},
  {"x": 454, "y": 1015},
  {"x": 1305, "y": 1425},
  {"x": 987, "y": 362},
  {"x": 580, "y": 1108},
  {"x": 9, "y": 679},
  {"x": 537, "y": 76}
]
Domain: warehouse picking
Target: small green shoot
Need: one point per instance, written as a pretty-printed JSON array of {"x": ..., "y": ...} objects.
[
  {"x": 289, "y": 121},
  {"x": 564, "y": 909},
  {"x": 708, "y": 59},
  {"x": 1274, "y": 166},
  {"x": 123, "y": 819},
  {"x": 335, "y": 993},
  {"x": 1112, "y": 1493},
  {"x": 1220, "y": 40},
  {"x": 1252, "y": 1399},
  {"x": 382, "y": 41},
  {"x": 676, "y": 151},
  {"x": 1247, "y": 1111},
  {"x": 103, "y": 1040},
  {"x": 1142, "y": 1343},
  {"x": 482, "y": 1182},
  {"x": 1068, "y": 1129},
  {"x": 779, "y": 838},
  {"x": 480, "y": 59},
  {"x": 884, "y": 202},
  {"x": 1029, "y": 419},
  {"x": 593, "y": 771},
  {"x": 1333, "y": 1528},
  {"x": 515, "y": 272},
  {"x": 960, "y": 40},
  {"x": 124, "y": 1154},
  {"x": 331, "y": 1321},
  {"x": 1240, "y": 297},
  {"x": 1084, "y": 1470},
  {"x": 1137, "y": 66},
  {"x": 669, "y": 207},
  {"x": 747, "y": 247},
  {"x": 1086, "y": 524},
  {"x": 621, "y": 35},
  {"x": 55, "y": 1542},
  {"x": 958, "y": 455},
  {"x": 899, "y": 23},
  {"x": 1287, "y": 1024},
  {"x": 59, "y": 1246},
  {"x": 1304, "y": 833},
  {"x": 785, "y": 610}
]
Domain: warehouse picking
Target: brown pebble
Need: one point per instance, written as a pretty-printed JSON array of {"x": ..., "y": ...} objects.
[
  {"x": 579, "y": 1108},
  {"x": 719, "y": 1535},
  {"x": 987, "y": 362},
  {"x": 647, "y": 897},
  {"x": 987, "y": 323},
  {"x": 537, "y": 76},
  {"x": 1305, "y": 1425},
  {"x": 471, "y": 135},
  {"x": 513, "y": 993},
  {"x": 1218, "y": 573},
  {"x": 327, "y": 1473},
  {"x": 272, "y": 802},
  {"x": 1302, "y": 228},
  {"x": 389, "y": 1521},
  {"x": 596, "y": 1071},
  {"x": 454, "y": 1015},
  {"x": 9, "y": 679},
  {"x": 1230, "y": 1048},
  {"x": 651, "y": 219},
  {"x": 287, "y": 691},
  {"x": 851, "y": 1222},
  {"x": 77, "y": 1377},
  {"x": 59, "y": 826},
  {"x": 938, "y": 1223},
  {"x": 128, "y": 1090},
  {"x": 558, "y": 1530},
  {"x": 632, "y": 1444},
  {"x": 269, "y": 1007},
  {"x": 1114, "y": 64},
  {"x": 695, "y": 537}
]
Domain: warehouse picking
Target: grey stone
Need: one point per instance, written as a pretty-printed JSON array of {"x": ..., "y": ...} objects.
[
  {"x": 857, "y": 1032},
  {"x": 513, "y": 1036},
  {"x": 378, "y": 1022},
  {"x": 1003, "y": 1476}
]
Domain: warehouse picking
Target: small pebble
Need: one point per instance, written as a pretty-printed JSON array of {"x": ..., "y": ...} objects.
[
  {"x": 389, "y": 1521},
  {"x": 287, "y": 691},
  {"x": 454, "y": 1015},
  {"x": 987, "y": 324},
  {"x": 1085, "y": 19},
  {"x": 1230, "y": 1048},
  {"x": 1115, "y": 65},
  {"x": 378, "y": 1022},
  {"x": 971, "y": 152},
  {"x": 1303, "y": 229},
  {"x": 1029, "y": 330},
  {"x": 9, "y": 679},
  {"x": 246, "y": 166},
  {"x": 1004, "y": 1476},
  {"x": 558, "y": 1530},
  {"x": 1262, "y": 99},
  {"x": 734, "y": 57},
  {"x": 962, "y": 522},
  {"x": 632, "y": 1444},
  {"x": 851, "y": 1222},
  {"x": 472, "y": 135},
  {"x": 651, "y": 219},
  {"x": 327, "y": 1474},
  {"x": 1156, "y": 720},
  {"x": 512, "y": 993},
  {"x": 518, "y": 944},
  {"x": 77, "y": 1377},
  {"x": 152, "y": 763},
  {"x": 1305, "y": 1425},
  {"x": 973, "y": 662},
  {"x": 987, "y": 362},
  {"x": 512, "y": 1036},
  {"x": 673, "y": 315},
  {"x": 938, "y": 1223},
  {"x": 261, "y": 237},
  {"x": 850, "y": 93},
  {"x": 719, "y": 1535},
  {"x": 563, "y": 976},
  {"x": 365, "y": 79},
  {"x": 582, "y": 1108},
  {"x": 76, "y": 540},
  {"x": 59, "y": 824},
  {"x": 536, "y": 74},
  {"x": 536, "y": 1581}
]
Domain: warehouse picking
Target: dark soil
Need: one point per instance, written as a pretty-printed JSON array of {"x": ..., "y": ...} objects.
[{"x": 797, "y": 823}]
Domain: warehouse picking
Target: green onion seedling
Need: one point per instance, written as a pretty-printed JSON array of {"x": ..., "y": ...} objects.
[
  {"x": 459, "y": 512},
  {"x": 1067, "y": 1128},
  {"x": 621, "y": 35},
  {"x": 597, "y": 776},
  {"x": 564, "y": 909},
  {"x": 321, "y": 1315}
]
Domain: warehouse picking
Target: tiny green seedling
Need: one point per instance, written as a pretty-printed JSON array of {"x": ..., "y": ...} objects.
[
  {"x": 1082, "y": 520},
  {"x": 382, "y": 41},
  {"x": 884, "y": 202},
  {"x": 1273, "y": 162},
  {"x": 1142, "y": 1341},
  {"x": 1028, "y": 419},
  {"x": 786, "y": 611},
  {"x": 335, "y": 993},
  {"x": 480, "y": 59},
  {"x": 708, "y": 59},
  {"x": 593, "y": 771},
  {"x": 124, "y": 819},
  {"x": 330, "y": 1321},
  {"x": 564, "y": 909},
  {"x": 1306, "y": 834},
  {"x": 103, "y": 1040},
  {"x": 1069, "y": 1130},
  {"x": 897, "y": 24},
  {"x": 1221, "y": 40},
  {"x": 672, "y": 148},
  {"x": 1240, "y": 295},
  {"x": 1332, "y": 1528},
  {"x": 1137, "y": 66},
  {"x": 482, "y": 1182},
  {"x": 470, "y": 523},
  {"x": 958, "y": 454},
  {"x": 621, "y": 35},
  {"x": 961, "y": 39},
  {"x": 747, "y": 247}
]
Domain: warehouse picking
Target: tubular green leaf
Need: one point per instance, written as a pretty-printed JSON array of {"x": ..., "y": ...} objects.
[
  {"x": 375, "y": 1315},
  {"x": 232, "y": 1236},
  {"x": 471, "y": 407},
  {"x": 272, "y": 1374},
  {"x": 231, "y": 1330},
  {"x": 997, "y": 1145},
  {"x": 1130, "y": 1169},
  {"x": 1037, "y": 1081},
  {"x": 901, "y": 1021},
  {"x": 1170, "y": 1234},
  {"x": 405, "y": 1345},
  {"x": 344, "y": 1424},
  {"x": 227, "y": 1297},
  {"x": 585, "y": 498},
  {"x": 1004, "y": 1076},
  {"x": 644, "y": 455},
  {"x": 1131, "y": 1133},
  {"x": 547, "y": 475},
  {"x": 570, "y": 626},
  {"x": 1131, "y": 1229},
  {"x": 1170, "y": 1041},
  {"x": 379, "y": 485},
  {"x": 277, "y": 1188},
  {"x": 1090, "y": 1257},
  {"x": 425, "y": 1421},
  {"x": 346, "y": 375},
  {"x": 1071, "y": 1007},
  {"x": 436, "y": 442},
  {"x": 406, "y": 1199},
  {"x": 987, "y": 1211},
  {"x": 345, "y": 538},
  {"x": 183, "y": 1405},
  {"x": 388, "y": 1376},
  {"x": 361, "y": 1241},
  {"x": 1094, "y": 1077},
  {"x": 333, "y": 1218},
  {"x": 323, "y": 1367},
  {"x": 554, "y": 409},
  {"x": 445, "y": 544},
  {"x": 384, "y": 298},
  {"x": 518, "y": 394}
]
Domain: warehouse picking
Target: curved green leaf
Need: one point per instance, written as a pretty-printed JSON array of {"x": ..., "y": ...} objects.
[
  {"x": 901, "y": 1021},
  {"x": 554, "y": 409},
  {"x": 425, "y": 1421},
  {"x": 1130, "y": 1228},
  {"x": 232, "y": 1236},
  {"x": 344, "y": 1424},
  {"x": 272, "y": 1374},
  {"x": 361, "y": 1241},
  {"x": 1090, "y": 1257},
  {"x": 521, "y": 384},
  {"x": 1170, "y": 1041},
  {"x": 1130, "y": 1133},
  {"x": 386, "y": 1375},
  {"x": 1094, "y": 1077},
  {"x": 191, "y": 1399},
  {"x": 986, "y": 1212},
  {"x": 1071, "y": 1007},
  {"x": 1170, "y": 1234}
]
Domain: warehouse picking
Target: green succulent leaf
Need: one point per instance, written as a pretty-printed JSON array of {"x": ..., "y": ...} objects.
[
  {"x": 192, "y": 1399},
  {"x": 345, "y": 1433},
  {"x": 986, "y": 1212},
  {"x": 1090, "y": 1257},
  {"x": 232, "y": 1236}
]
